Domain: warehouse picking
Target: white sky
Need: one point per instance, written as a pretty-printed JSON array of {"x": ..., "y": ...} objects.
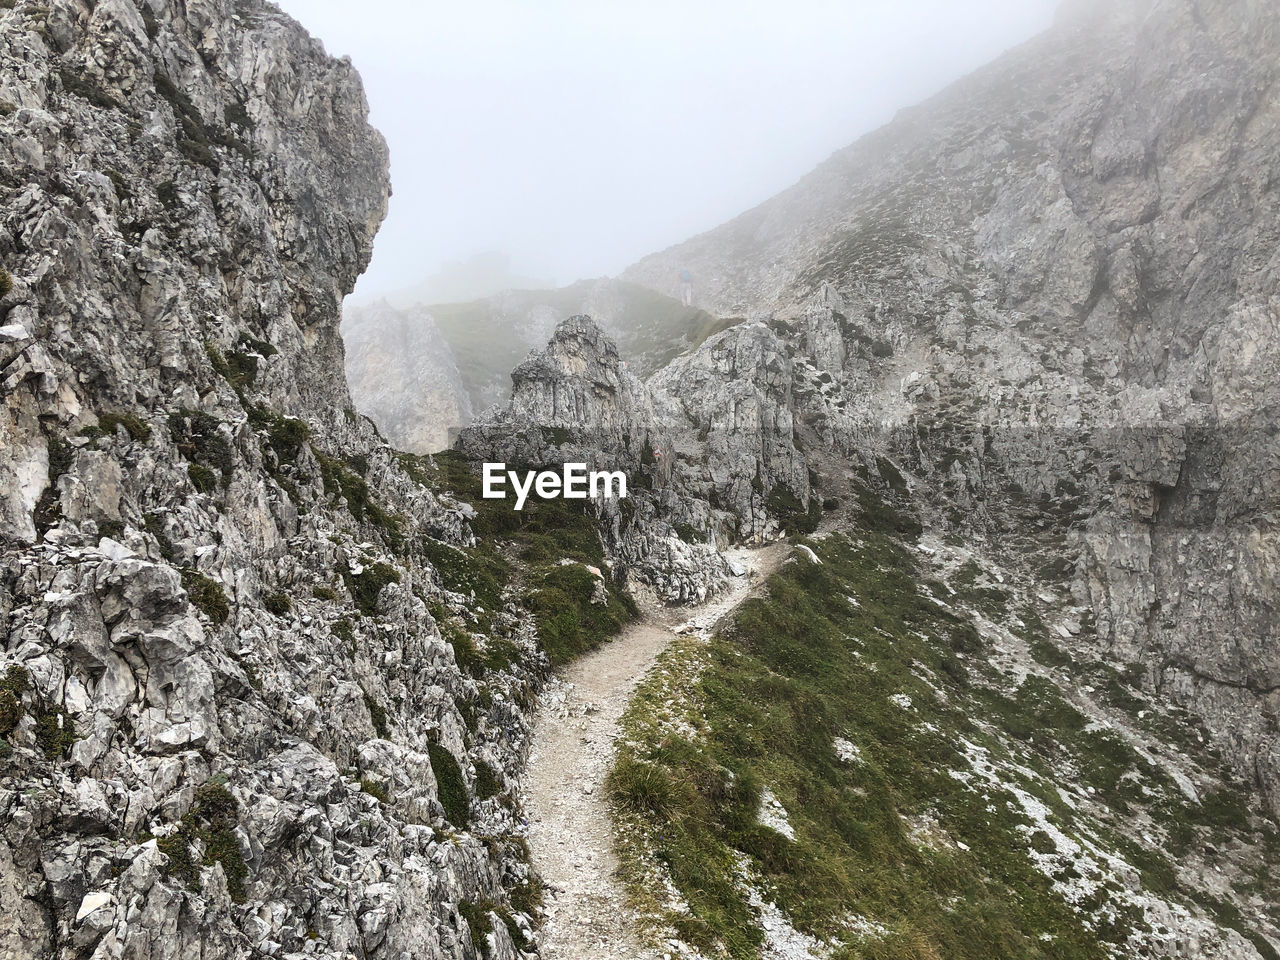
[{"x": 580, "y": 135}]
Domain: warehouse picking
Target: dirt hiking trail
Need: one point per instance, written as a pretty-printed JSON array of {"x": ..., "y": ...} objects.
[{"x": 570, "y": 825}]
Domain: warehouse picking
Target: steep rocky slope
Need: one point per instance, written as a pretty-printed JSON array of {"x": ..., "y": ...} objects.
[
  {"x": 229, "y": 723},
  {"x": 264, "y": 680},
  {"x": 1048, "y": 295},
  {"x": 404, "y": 377}
]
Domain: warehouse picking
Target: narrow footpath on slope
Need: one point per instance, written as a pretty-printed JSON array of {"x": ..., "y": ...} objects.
[{"x": 570, "y": 824}]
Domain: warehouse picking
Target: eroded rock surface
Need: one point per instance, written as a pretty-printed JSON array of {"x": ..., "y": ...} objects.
[
  {"x": 1047, "y": 296},
  {"x": 229, "y": 725}
]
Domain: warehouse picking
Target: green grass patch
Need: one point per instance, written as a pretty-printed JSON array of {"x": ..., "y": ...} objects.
[
  {"x": 451, "y": 788},
  {"x": 199, "y": 438},
  {"x": 207, "y": 595},
  {"x": 277, "y": 604},
  {"x": 366, "y": 586},
  {"x": 535, "y": 542},
  {"x": 569, "y": 622},
  {"x": 791, "y": 513},
  {"x": 341, "y": 481},
  {"x": 377, "y": 716},
  {"x": 904, "y": 681},
  {"x": 13, "y": 685},
  {"x": 209, "y": 825},
  {"x": 135, "y": 426}
]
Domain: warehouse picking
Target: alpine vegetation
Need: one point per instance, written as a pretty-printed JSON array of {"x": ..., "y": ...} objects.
[{"x": 889, "y": 572}]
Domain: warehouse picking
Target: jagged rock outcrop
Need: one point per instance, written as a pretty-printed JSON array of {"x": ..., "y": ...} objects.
[
  {"x": 403, "y": 376},
  {"x": 1047, "y": 296},
  {"x": 709, "y": 444},
  {"x": 576, "y": 402},
  {"x": 731, "y": 413},
  {"x": 229, "y": 724}
]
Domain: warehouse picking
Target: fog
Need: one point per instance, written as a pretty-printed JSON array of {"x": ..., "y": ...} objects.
[{"x": 575, "y": 136}]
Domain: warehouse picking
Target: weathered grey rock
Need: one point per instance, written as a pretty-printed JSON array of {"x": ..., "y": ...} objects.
[
  {"x": 196, "y": 694},
  {"x": 705, "y": 442},
  {"x": 404, "y": 377},
  {"x": 1048, "y": 296},
  {"x": 421, "y": 372}
]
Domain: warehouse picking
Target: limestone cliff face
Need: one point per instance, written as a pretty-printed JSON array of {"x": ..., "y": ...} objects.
[
  {"x": 228, "y": 724},
  {"x": 404, "y": 377},
  {"x": 1049, "y": 295}
]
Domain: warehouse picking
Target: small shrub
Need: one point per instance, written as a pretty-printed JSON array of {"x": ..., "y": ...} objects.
[
  {"x": 640, "y": 788},
  {"x": 258, "y": 346},
  {"x": 80, "y": 86},
  {"x": 177, "y": 847},
  {"x": 211, "y": 821},
  {"x": 286, "y": 436},
  {"x": 340, "y": 481},
  {"x": 686, "y": 533},
  {"x": 486, "y": 781},
  {"x": 235, "y": 114},
  {"x": 198, "y": 437},
  {"x": 479, "y": 921},
  {"x": 49, "y": 508},
  {"x": 452, "y": 789},
  {"x": 527, "y": 897},
  {"x": 207, "y": 596},
  {"x": 324, "y": 593},
  {"x": 238, "y": 369},
  {"x": 16, "y": 681},
  {"x": 378, "y": 716},
  {"x": 135, "y": 426},
  {"x": 343, "y": 631},
  {"x": 366, "y": 586},
  {"x": 465, "y": 653},
  {"x": 6, "y": 283},
  {"x": 221, "y": 846},
  {"x": 55, "y": 731},
  {"x": 277, "y": 604},
  {"x": 374, "y": 789},
  {"x": 216, "y": 803},
  {"x": 202, "y": 478},
  {"x": 154, "y": 525}
]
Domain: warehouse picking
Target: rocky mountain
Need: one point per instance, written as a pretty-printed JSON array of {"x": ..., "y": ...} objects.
[
  {"x": 485, "y": 339},
  {"x": 709, "y": 443},
  {"x": 1004, "y": 378},
  {"x": 404, "y": 376},
  {"x": 229, "y": 722},
  {"x": 1036, "y": 313},
  {"x": 1049, "y": 296}
]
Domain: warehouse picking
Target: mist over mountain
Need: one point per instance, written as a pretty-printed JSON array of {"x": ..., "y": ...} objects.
[{"x": 938, "y": 621}]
